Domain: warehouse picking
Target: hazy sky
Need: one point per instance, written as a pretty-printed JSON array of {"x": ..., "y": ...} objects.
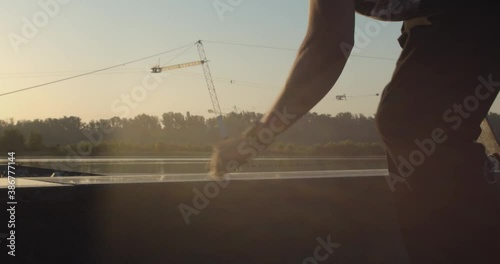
[{"x": 75, "y": 36}]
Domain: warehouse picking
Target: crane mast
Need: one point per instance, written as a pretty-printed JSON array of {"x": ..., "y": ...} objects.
[{"x": 211, "y": 90}]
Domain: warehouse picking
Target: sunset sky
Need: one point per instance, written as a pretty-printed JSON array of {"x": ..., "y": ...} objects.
[{"x": 77, "y": 36}]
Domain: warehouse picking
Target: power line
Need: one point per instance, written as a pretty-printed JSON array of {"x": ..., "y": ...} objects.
[
  {"x": 158, "y": 54},
  {"x": 249, "y": 45},
  {"x": 70, "y": 73},
  {"x": 234, "y": 82},
  {"x": 52, "y": 73},
  {"x": 103, "y": 69},
  {"x": 66, "y": 73},
  {"x": 289, "y": 49}
]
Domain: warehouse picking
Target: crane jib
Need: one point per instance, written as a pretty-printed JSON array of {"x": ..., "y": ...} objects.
[{"x": 182, "y": 65}]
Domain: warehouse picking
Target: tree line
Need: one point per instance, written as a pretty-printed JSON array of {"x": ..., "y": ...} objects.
[{"x": 314, "y": 134}]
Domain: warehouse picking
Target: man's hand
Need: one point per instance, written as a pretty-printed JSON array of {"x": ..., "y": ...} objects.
[{"x": 229, "y": 155}]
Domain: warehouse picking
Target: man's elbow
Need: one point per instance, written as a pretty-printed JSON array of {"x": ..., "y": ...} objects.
[
  {"x": 346, "y": 46},
  {"x": 330, "y": 51}
]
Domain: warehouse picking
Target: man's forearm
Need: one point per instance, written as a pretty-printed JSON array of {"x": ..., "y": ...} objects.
[
  {"x": 319, "y": 62},
  {"x": 311, "y": 78}
]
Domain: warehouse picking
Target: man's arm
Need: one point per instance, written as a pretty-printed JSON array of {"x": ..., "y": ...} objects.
[
  {"x": 318, "y": 65},
  {"x": 320, "y": 60}
]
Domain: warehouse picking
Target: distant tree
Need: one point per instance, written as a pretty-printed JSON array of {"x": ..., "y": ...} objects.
[
  {"x": 142, "y": 129},
  {"x": 321, "y": 134},
  {"x": 145, "y": 122},
  {"x": 173, "y": 121},
  {"x": 160, "y": 146},
  {"x": 35, "y": 141},
  {"x": 84, "y": 147},
  {"x": 12, "y": 140}
]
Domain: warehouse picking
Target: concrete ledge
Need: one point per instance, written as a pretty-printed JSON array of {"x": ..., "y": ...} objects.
[
  {"x": 25, "y": 183},
  {"x": 157, "y": 178},
  {"x": 278, "y": 220}
]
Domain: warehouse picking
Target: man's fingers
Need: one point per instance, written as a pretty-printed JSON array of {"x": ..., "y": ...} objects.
[
  {"x": 217, "y": 164},
  {"x": 225, "y": 156},
  {"x": 217, "y": 169}
]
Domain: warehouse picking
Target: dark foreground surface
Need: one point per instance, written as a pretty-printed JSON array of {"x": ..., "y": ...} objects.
[{"x": 265, "y": 218}]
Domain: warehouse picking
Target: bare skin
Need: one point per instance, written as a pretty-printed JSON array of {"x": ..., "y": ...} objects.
[{"x": 318, "y": 65}]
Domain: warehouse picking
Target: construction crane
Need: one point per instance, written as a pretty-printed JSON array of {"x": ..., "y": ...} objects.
[
  {"x": 210, "y": 84},
  {"x": 158, "y": 69},
  {"x": 343, "y": 97}
]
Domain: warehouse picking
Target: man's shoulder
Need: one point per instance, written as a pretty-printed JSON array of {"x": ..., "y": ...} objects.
[{"x": 400, "y": 10}]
